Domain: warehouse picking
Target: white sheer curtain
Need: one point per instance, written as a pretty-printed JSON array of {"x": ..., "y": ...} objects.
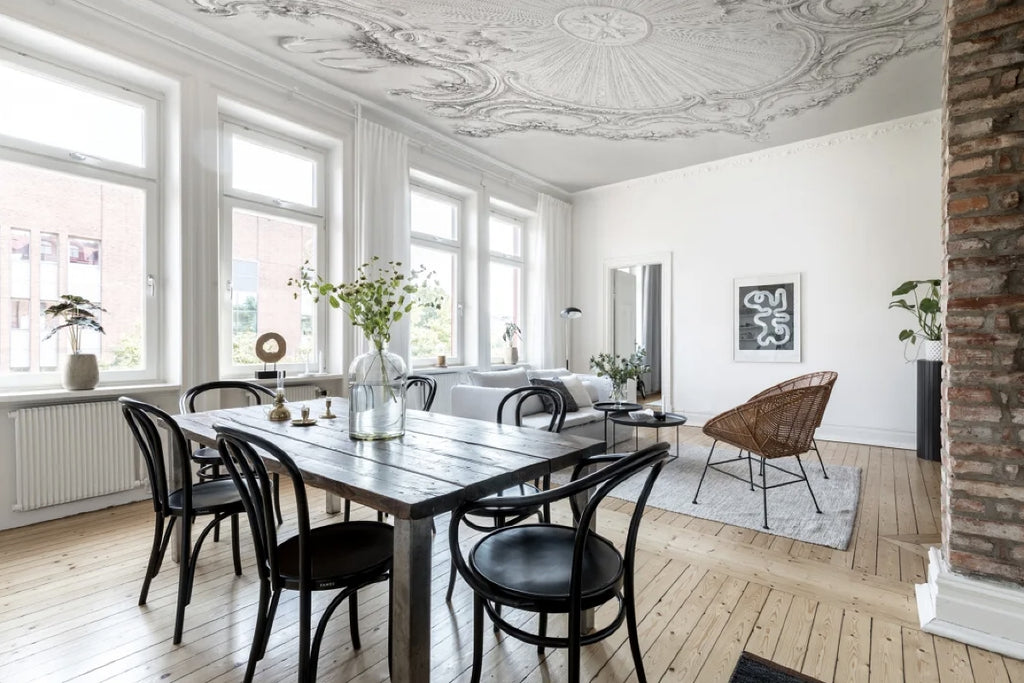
[
  {"x": 548, "y": 282},
  {"x": 382, "y": 168}
]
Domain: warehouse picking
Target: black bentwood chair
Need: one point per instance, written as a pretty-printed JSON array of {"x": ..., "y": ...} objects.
[
  {"x": 208, "y": 459},
  {"x": 427, "y": 388},
  {"x": 217, "y": 499},
  {"x": 346, "y": 555},
  {"x": 552, "y": 402},
  {"x": 551, "y": 568}
]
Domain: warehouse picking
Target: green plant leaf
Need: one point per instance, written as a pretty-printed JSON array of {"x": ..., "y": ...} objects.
[{"x": 906, "y": 288}]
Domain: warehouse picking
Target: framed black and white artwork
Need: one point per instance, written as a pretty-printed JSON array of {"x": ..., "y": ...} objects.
[{"x": 766, "y": 313}]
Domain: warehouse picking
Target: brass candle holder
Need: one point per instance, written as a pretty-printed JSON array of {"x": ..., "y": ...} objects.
[
  {"x": 280, "y": 412},
  {"x": 328, "y": 415}
]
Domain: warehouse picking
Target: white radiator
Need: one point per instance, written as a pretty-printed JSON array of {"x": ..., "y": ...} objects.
[
  {"x": 72, "y": 451},
  {"x": 443, "y": 398},
  {"x": 303, "y": 392}
]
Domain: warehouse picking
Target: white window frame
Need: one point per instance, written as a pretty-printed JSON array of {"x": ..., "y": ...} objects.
[
  {"x": 509, "y": 260},
  {"x": 148, "y": 178},
  {"x": 232, "y": 198},
  {"x": 453, "y": 246}
]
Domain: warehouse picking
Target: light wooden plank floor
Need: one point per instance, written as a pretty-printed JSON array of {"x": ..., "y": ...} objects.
[{"x": 69, "y": 588}]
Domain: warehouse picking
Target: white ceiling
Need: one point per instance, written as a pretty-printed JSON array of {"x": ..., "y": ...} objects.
[{"x": 582, "y": 93}]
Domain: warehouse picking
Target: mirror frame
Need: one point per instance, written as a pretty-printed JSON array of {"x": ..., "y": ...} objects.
[{"x": 664, "y": 258}]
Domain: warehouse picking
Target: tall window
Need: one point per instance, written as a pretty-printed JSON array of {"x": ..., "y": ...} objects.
[
  {"x": 78, "y": 215},
  {"x": 273, "y": 215},
  {"x": 436, "y": 245},
  {"x": 506, "y": 277}
]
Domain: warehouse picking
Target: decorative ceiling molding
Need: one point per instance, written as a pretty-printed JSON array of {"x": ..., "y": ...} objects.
[
  {"x": 931, "y": 119},
  {"x": 615, "y": 69}
]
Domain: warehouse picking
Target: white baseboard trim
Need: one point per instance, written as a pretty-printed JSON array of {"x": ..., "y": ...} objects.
[
  {"x": 888, "y": 438},
  {"x": 973, "y": 611}
]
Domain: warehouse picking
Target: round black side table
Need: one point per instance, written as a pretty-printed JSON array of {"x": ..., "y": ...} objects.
[
  {"x": 671, "y": 420},
  {"x": 607, "y": 407}
]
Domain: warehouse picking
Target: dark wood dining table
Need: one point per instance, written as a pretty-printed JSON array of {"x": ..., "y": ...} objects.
[{"x": 440, "y": 462}]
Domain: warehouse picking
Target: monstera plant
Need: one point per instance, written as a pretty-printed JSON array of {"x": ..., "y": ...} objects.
[{"x": 920, "y": 298}]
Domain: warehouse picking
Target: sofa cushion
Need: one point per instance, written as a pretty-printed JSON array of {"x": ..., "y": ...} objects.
[
  {"x": 548, "y": 373},
  {"x": 579, "y": 394},
  {"x": 506, "y": 379},
  {"x": 557, "y": 385}
]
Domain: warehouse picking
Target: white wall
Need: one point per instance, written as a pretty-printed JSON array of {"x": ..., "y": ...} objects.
[{"x": 855, "y": 213}]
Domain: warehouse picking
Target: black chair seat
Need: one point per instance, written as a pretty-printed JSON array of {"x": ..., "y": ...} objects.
[
  {"x": 217, "y": 495},
  {"x": 512, "y": 491},
  {"x": 206, "y": 456},
  {"x": 339, "y": 552},
  {"x": 530, "y": 565}
]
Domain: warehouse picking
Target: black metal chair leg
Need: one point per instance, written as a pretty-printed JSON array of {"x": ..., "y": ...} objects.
[
  {"x": 184, "y": 572},
  {"x": 161, "y": 537},
  {"x": 353, "y": 620},
  {"x": 348, "y": 509},
  {"x": 214, "y": 474},
  {"x": 451, "y": 581},
  {"x": 478, "y": 638},
  {"x": 236, "y": 555},
  {"x": 814, "y": 445},
  {"x": 764, "y": 493},
  {"x": 277, "y": 498},
  {"x": 542, "y": 629},
  {"x": 572, "y": 656},
  {"x": 704, "y": 473},
  {"x": 634, "y": 638},
  {"x": 750, "y": 469},
  {"x": 808, "y": 482},
  {"x": 259, "y": 636}
]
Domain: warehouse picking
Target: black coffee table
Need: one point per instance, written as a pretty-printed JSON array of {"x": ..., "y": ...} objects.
[
  {"x": 671, "y": 420},
  {"x": 607, "y": 407}
]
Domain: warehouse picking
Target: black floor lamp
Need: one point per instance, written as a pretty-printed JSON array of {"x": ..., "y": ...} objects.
[{"x": 568, "y": 314}]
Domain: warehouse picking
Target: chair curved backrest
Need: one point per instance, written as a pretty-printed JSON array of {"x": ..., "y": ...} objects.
[
  {"x": 187, "y": 404},
  {"x": 552, "y": 400},
  {"x": 427, "y": 386},
  {"x": 144, "y": 421},
  {"x": 811, "y": 379},
  {"x": 774, "y": 425},
  {"x": 252, "y": 480}
]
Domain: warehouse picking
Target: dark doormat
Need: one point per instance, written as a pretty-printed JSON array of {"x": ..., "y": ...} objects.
[{"x": 753, "y": 669}]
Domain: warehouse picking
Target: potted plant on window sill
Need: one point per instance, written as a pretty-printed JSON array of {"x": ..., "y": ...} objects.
[
  {"x": 81, "y": 371},
  {"x": 512, "y": 332},
  {"x": 926, "y": 310}
]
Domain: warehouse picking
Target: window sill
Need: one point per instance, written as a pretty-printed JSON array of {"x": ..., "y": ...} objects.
[{"x": 61, "y": 395}]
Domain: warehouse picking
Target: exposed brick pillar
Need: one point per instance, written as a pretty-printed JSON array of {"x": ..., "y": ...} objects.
[{"x": 983, "y": 462}]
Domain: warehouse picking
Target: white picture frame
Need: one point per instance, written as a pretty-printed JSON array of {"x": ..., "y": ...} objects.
[{"x": 766, "y": 318}]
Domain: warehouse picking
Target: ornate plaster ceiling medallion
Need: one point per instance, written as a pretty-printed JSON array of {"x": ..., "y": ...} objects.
[
  {"x": 616, "y": 69},
  {"x": 603, "y": 25}
]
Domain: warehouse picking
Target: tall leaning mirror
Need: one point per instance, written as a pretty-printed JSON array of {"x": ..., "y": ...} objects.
[{"x": 639, "y": 313}]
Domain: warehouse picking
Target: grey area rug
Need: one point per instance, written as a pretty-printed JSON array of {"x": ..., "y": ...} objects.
[{"x": 729, "y": 500}]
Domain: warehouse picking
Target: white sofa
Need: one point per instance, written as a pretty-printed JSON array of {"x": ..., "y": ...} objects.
[{"x": 479, "y": 400}]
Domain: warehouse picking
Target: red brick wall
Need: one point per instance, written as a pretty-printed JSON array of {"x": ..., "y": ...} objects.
[{"x": 983, "y": 465}]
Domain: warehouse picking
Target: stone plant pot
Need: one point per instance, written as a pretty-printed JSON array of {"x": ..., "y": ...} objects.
[
  {"x": 81, "y": 372},
  {"x": 931, "y": 349},
  {"x": 511, "y": 355}
]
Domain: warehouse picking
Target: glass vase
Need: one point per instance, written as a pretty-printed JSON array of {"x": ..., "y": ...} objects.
[
  {"x": 618, "y": 392},
  {"x": 376, "y": 402}
]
